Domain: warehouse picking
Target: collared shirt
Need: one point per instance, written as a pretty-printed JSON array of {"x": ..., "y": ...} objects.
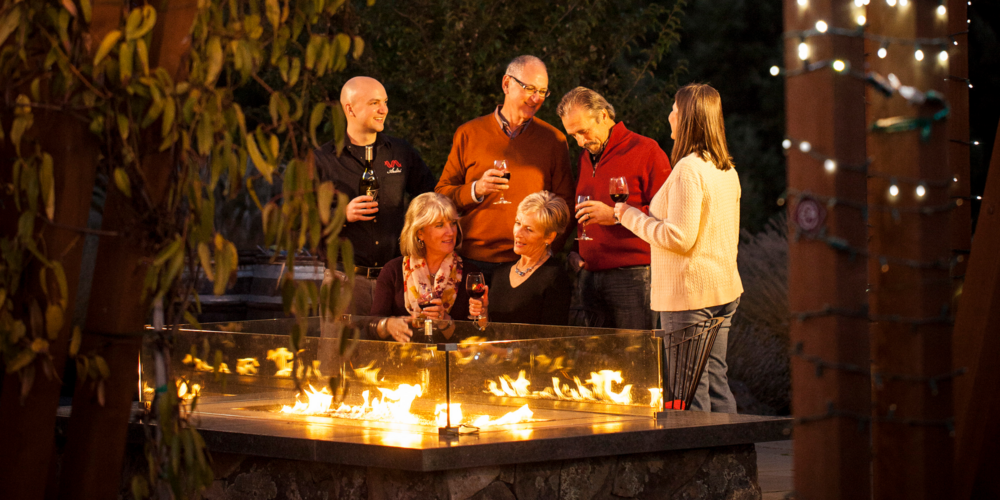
[
  {"x": 596, "y": 158},
  {"x": 505, "y": 124},
  {"x": 400, "y": 171}
]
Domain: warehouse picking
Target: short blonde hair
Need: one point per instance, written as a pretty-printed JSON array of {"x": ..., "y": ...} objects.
[
  {"x": 551, "y": 210},
  {"x": 423, "y": 211}
]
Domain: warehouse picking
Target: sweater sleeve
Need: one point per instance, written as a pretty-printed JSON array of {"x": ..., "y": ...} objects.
[
  {"x": 677, "y": 231},
  {"x": 388, "y": 284},
  {"x": 453, "y": 178}
]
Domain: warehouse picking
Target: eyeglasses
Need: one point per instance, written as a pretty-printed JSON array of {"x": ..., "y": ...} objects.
[{"x": 530, "y": 89}]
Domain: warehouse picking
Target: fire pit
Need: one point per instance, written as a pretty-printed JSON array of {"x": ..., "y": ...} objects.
[{"x": 510, "y": 397}]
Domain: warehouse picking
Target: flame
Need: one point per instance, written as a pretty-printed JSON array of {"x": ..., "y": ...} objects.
[
  {"x": 656, "y": 397},
  {"x": 522, "y": 414},
  {"x": 202, "y": 366},
  {"x": 367, "y": 374},
  {"x": 185, "y": 392},
  {"x": 442, "y": 416},
  {"x": 282, "y": 358},
  {"x": 598, "y": 388},
  {"x": 247, "y": 366}
]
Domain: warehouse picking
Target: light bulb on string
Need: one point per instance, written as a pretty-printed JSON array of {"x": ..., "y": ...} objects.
[
  {"x": 805, "y": 146},
  {"x": 775, "y": 70},
  {"x": 892, "y": 3},
  {"x": 954, "y": 179},
  {"x": 829, "y": 165},
  {"x": 883, "y": 50},
  {"x": 786, "y": 144},
  {"x": 894, "y": 190},
  {"x": 921, "y": 191},
  {"x": 803, "y": 51},
  {"x": 918, "y": 54},
  {"x": 862, "y": 20},
  {"x": 802, "y": 3},
  {"x": 839, "y": 65},
  {"x": 821, "y": 26},
  {"x": 943, "y": 56},
  {"x": 859, "y": 3},
  {"x": 975, "y": 143},
  {"x": 904, "y": 3},
  {"x": 941, "y": 10}
]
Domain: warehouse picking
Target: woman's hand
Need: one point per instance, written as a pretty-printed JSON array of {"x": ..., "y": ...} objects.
[
  {"x": 435, "y": 311},
  {"x": 478, "y": 306},
  {"x": 398, "y": 329},
  {"x": 620, "y": 209}
]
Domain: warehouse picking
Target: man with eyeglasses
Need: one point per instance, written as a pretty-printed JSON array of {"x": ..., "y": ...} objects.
[{"x": 537, "y": 157}]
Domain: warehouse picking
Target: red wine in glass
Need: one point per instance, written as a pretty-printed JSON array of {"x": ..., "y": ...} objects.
[
  {"x": 506, "y": 175},
  {"x": 475, "y": 284},
  {"x": 501, "y": 165},
  {"x": 619, "y": 197},
  {"x": 477, "y": 291},
  {"x": 618, "y": 188}
]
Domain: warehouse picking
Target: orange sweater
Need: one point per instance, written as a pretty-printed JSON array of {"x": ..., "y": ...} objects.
[{"x": 538, "y": 158}]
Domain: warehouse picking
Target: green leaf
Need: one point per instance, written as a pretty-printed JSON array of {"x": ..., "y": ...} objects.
[
  {"x": 60, "y": 273},
  {"x": 21, "y": 360},
  {"x": 125, "y": 52},
  {"x": 324, "y": 195},
  {"x": 265, "y": 168},
  {"x": 123, "y": 126},
  {"x": 17, "y": 331},
  {"x": 215, "y": 58},
  {"x": 133, "y": 22},
  {"x": 122, "y": 182},
  {"x": 53, "y": 321},
  {"x": 206, "y": 260},
  {"x": 206, "y": 135},
  {"x": 273, "y": 12},
  {"x": 359, "y": 47},
  {"x": 314, "y": 120},
  {"x": 9, "y": 23},
  {"x": 106, "y": 45},
  {"x": 169, "y": 111},
  {"x": 87, "y": 9},
  {"x": 339, "y": 127},
  {"x": 102, "y": 367},
  {"x": 147, "y": 18},
  {"x": 316, "y": 44},
  {"x": 45, "y": 177},
  {"x": 143, "y": 52},
  {"x": 74, "y": 343},
  {"x": 168, "y": 252},
  {"x": 140, "y": 488},
  {"x": 293, "y": 74}
]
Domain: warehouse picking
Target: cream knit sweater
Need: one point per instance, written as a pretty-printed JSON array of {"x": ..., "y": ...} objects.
[{"x": 693, "y": 229}]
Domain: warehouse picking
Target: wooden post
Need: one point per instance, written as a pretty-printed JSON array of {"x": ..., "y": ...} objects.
[
  {"x": 958, "y": 139},
  {"x": 977, "y": 347},
  {"x": 910, "y": 208},
  {"x": 826, "y": 109}
]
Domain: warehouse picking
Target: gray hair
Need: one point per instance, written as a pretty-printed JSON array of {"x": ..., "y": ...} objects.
[
  {"x": 516, "y": 67},
  {"x": 587, "y": 99},
  {"x": 423, "y": 211},
  {"x": 551, "y": 210}
]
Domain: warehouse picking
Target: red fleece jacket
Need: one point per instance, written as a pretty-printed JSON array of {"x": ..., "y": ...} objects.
[{"x": 645, "y": 166}]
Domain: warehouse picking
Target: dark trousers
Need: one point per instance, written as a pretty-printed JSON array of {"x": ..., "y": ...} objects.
[{"x": 615, "y": 298}]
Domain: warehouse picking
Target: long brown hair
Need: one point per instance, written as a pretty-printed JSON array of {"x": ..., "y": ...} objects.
[{"x": 700, "y": 127}]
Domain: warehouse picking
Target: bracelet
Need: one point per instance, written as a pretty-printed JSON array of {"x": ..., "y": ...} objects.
[{"x": 382, "y": 327}]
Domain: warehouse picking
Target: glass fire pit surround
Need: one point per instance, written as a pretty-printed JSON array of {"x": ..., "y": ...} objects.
[{"x": 501, "y": 377}]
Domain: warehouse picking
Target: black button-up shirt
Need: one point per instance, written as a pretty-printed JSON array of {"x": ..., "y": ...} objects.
[{"x": 399, "y": 170}]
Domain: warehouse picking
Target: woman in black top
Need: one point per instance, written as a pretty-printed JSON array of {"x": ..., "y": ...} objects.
[{"x": 534, "y": 289}]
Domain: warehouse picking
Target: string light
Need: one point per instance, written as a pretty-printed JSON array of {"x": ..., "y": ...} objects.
[
  {"x": 943, "y": 56},
  {"x": 941, "y": 10},
  {"x": 775, "y": 70},
  {"x": 921, "y": 191},
  {"x": 862, "y": 20},
  {"x": 839, "y": 65},
  {"x": 904, "y": 3},
  {"x": 892, "y": 3},
  {"x": 883, "y": 51},
  {"x": 786, "y": 144},
  {"x": 821, "y": 26},
  {"x": 859, "y": 3},
  {"x": 830, "y": 165},
  {"x": 802, "y": 3},
  {"x": 918, "y": 54},
  {"x": 805, "y": 147},
  {"x": 803, "y": 51},
  {"x": 894, "y": 190}
]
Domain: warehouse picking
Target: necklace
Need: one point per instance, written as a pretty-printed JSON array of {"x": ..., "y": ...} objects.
[{"x": 528, "y": 270}]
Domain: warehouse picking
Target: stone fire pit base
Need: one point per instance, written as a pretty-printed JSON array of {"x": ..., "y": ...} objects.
[{"x": 728, "y": 472}]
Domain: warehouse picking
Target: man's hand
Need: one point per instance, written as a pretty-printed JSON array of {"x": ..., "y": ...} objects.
[
  {"x": 491, "y": 182},
  {"x": 361, "y": 208},
  {"x": 593, "y": 211},
  {"x": 576, "y": 262}
]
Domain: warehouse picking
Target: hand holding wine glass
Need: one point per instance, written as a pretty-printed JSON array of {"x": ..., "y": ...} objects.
[
  {"x": 501, "y": 165},
  {"x": 431, "y": 306},
  {"x": 475, "y": 284},
  {"x": 580, "y": 199}
]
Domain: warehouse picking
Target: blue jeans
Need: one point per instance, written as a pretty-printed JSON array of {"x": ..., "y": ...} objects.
[
  {"x": 713, "y": 392},
  {"x": 616, "y": 298}
]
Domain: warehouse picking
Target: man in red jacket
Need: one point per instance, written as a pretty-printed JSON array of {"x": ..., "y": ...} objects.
[{"x": 613, "y": 266}]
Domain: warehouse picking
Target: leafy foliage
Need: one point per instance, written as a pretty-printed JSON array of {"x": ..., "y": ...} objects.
[{"x": 184, "y": 121}]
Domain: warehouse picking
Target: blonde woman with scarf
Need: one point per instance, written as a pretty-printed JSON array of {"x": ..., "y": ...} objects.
[{"x": 429, "y": 272}]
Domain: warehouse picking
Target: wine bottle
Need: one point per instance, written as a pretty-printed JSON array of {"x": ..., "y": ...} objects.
[{"x": 369, "y": 182}]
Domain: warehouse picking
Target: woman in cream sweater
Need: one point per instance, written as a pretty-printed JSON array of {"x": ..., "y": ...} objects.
[{"x": 693, "y": 229}]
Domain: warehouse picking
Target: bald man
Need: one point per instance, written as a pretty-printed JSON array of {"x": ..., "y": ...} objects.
[
  {"x": 537, "y": 157},
  {"x": 399, "y": 170}
]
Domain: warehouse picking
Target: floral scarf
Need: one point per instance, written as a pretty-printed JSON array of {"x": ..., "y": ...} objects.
[{"x": 418, "y": 282}]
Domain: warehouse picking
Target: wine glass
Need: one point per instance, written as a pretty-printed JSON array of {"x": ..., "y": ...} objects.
[
  {"x": 619, "y": 189},
  {"x": 475, "y": 284},
  {"x": 583, "y": 229},
  {"x": 501, "y": 165}
]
